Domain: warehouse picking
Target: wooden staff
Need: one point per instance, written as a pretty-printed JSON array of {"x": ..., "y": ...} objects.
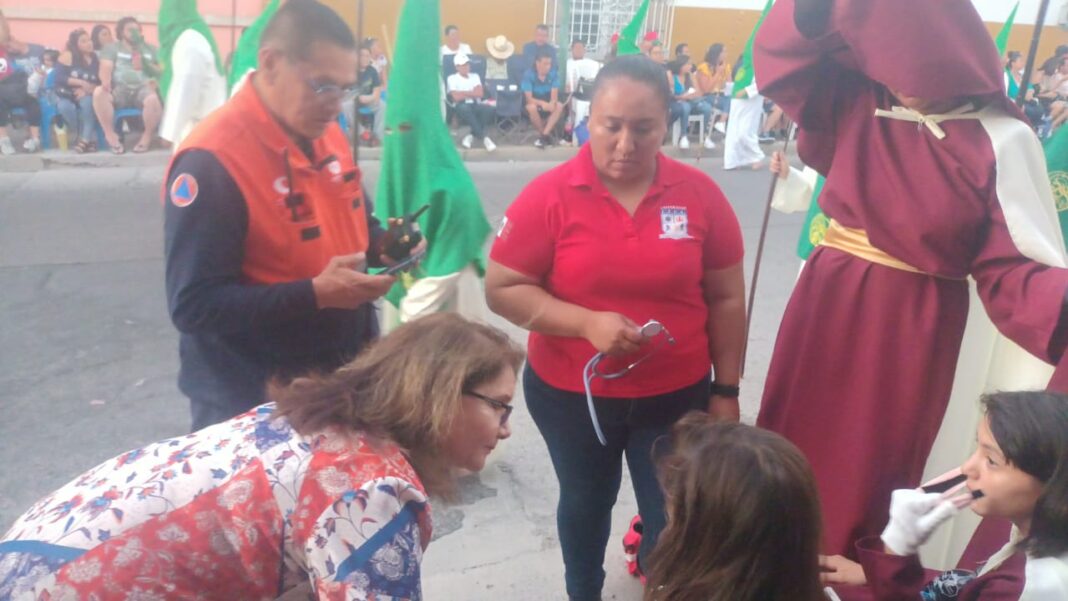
[
  {"x": 760, "y": 251},
  {"x": 355, "y": 125},
  {"x": 1025, "y": 82}
]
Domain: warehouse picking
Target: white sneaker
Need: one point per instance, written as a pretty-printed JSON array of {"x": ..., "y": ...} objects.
[
  {"x": 490, "y": 146},
  {"x": 6, "y": 147},
  {"x": 720, "y": 127},
  {"x": 31, "y": 145},
  {"x": 709, "y": 144},
  {"x": 468, "y": 139},
  {"x": 684, "y": 143}
]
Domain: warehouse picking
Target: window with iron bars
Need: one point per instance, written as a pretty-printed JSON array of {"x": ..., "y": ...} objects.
[{"x": 595, "y": 21}]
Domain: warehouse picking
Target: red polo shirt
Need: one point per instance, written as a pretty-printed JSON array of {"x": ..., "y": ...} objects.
[{"x": 566, "y": 230}]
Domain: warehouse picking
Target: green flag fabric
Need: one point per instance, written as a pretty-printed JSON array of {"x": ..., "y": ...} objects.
[
  {"x": 743, "y": 78},
  {"x": 816, "y": 223},
  {"x": 1057, "y": 164},
  {"x": 248, "y": 47},
  {"x": 1002, "y": 39},
  {"x": 176, "y": 16},
  {"x": 628, "y": 38},
  {"x": 420, "y": 164}
]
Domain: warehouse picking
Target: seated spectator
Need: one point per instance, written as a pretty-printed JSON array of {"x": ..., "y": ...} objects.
[
  {"x": 323, "y": 493},
  {"x": 1014, "y": 66},
  {"x": 712, "y": 76},
  {"x": 579, "y": 67},
  {"x": 465, "y": 91},
  {"x": 369, "y": 95},
  {"x": 128, "y": 72},
  {"x": 499, "y": 50},
  {"x": 1053, "y": 92},
  {"x": 656, "y": 52},
  {"x": 36, "y": 83},
  {"x": 14, "y": 93},
  {"x": 687, "y": 100},
  {"x": 452, "y": 44},
  {"x": 648, "y": 40},
  {"x": 581, "y": 72},
  {"x": 77, "y": 77},
  {"x": 1018, "y": 473},
  {"x": 538, "y": 47},
  {"x": 540, "y": 90},
  {"x": 101, "y": 37},
  {"x": 743, "y": 517},
  {"x": 681, "y": 50},
  {"x": 379, "y": 60}
]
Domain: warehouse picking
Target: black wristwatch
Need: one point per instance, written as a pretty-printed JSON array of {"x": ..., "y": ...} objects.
[{"x": 730, "y": 392}]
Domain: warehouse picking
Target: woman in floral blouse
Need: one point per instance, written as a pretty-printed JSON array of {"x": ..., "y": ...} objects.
[{"x": 327, "y": 486}]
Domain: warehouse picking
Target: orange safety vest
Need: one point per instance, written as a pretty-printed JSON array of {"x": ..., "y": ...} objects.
[{"x": 301, "y": 212}]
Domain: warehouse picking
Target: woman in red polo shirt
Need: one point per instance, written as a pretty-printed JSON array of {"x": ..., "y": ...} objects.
[{"x": 619, "y": 236}]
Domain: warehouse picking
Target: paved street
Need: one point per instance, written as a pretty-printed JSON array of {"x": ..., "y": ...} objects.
[{"x": 88, "y": 360}]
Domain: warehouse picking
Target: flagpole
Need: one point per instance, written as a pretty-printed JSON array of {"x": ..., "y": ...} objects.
[
  {"x": 355, "y": 125},
  {"x": 760, "y": 249},
  {"x": 1025, "y": 82},
  {"x": 233, "y": 25}
]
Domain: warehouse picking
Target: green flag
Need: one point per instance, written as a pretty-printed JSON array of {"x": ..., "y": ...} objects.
[
  {"x": 743, "y": 78},
  {"x": 1057, "y": 164},
  {"x": 628, "y": 38},
  {"x": 248, "y": 47},
  {"x": 420, "y": 164},
  {"x": 1002, "y": 40},
  {"x": 816, "y": 223},
  {"x": 176, "y": 16}
]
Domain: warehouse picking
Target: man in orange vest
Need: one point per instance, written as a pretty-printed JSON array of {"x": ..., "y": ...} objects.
[{"x": 268, "y": 232}]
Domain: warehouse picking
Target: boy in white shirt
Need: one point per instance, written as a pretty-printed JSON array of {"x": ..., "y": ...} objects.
[{"x": 465, "y": 90}]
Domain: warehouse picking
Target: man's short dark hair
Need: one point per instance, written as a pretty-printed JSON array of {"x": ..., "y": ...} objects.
[
  {"x": 300, "y": 23},
  {"x": 577, "y": 41},
  {"x": 542, "y": 27},
  {"x": 450, "y": 28},
  {"x": 120, "y": 27},
  {"x": 543, "y": 53}
]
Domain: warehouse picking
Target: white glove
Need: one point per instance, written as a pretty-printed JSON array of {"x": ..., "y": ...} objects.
[{"x": 914, "y": 516}]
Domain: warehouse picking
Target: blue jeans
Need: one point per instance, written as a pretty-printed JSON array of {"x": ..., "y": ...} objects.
[
  {"x": 79, "y": 117},
  {"x": 682, "y": 109},
  {"x": 589, "y": 473}
]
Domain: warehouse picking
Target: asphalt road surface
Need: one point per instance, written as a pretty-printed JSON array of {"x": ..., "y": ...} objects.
[{"x": 88, "y": 361}]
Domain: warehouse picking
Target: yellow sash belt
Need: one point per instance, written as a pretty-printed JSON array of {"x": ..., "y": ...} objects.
[{"x": 856, "y": 243}]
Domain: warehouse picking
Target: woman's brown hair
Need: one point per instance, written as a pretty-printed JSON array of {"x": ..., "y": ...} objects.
[
  {"x": 406, "y": 388},
  {"x": 743, "y": 517}
]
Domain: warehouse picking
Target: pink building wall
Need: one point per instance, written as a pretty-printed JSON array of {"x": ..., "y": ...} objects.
[{"x": 48, "y": 22}]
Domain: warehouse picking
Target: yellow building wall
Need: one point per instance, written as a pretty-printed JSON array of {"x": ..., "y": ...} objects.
[{"x": 477, "y": 19}]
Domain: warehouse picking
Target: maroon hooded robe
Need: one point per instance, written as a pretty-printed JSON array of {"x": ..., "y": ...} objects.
[{"x": 865, "y": 357}]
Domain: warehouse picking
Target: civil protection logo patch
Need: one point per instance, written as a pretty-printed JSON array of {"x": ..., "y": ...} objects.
[
  {"x": 184, "y": 190},
  {"x": 674, "y": 223}
]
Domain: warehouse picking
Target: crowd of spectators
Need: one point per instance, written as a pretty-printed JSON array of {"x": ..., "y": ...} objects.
[{"x": 84, "y": 83}]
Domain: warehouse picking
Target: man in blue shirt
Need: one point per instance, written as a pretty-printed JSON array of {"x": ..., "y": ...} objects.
[
  {"x": 540, "y": 45},
  {"x": 540, "y": 90}
]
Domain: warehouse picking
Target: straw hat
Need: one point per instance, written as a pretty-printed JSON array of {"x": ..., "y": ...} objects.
[{"x": 499, "y": 47}]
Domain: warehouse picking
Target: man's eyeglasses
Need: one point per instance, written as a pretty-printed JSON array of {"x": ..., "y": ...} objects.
[
  {"x": 330, "y": 91},
  {"x": 656, "y": 335},
  {"x": 501, "y": 405}
]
